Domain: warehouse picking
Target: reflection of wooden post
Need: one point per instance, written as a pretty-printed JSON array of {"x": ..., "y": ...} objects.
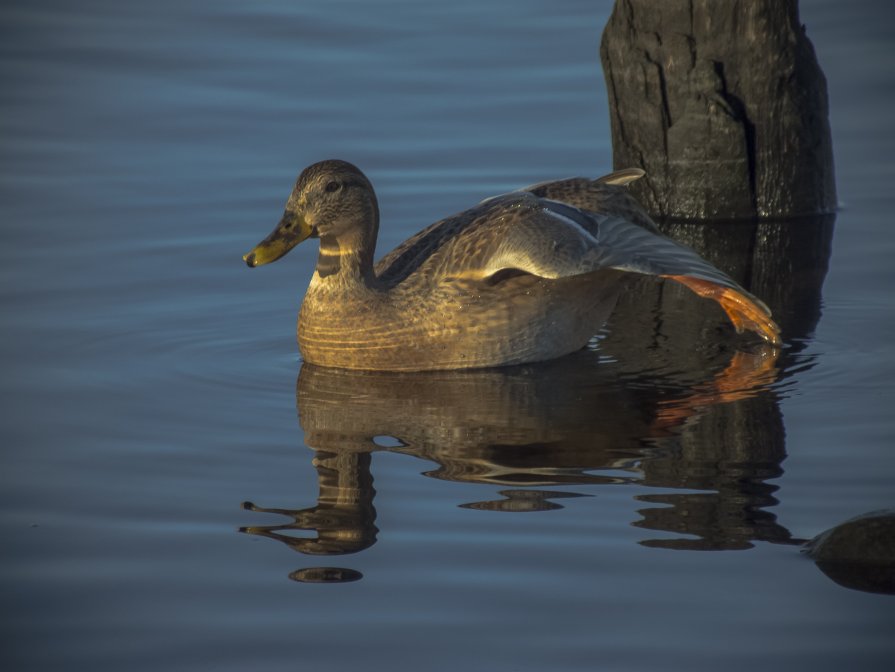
[
  {"x": 722, "y": 104},
  {"x": 729, "y": 455}
]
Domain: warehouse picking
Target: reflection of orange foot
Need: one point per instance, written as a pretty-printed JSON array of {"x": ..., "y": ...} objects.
[
  {"x": 744, "y": 311},
  {"x": 746, "y": 375}
]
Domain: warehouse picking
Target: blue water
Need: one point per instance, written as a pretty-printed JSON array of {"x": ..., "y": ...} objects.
[{"x": 152, "y": 382}]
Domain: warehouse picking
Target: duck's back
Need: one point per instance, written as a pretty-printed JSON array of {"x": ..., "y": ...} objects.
[{"x": 605, "y": 195}]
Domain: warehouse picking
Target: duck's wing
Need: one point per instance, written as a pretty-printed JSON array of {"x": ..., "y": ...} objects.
[
  {"x": 628, "y": 247},
  {"x": 607, "y": 195},
  {"x": 553, "y": 239},
  {"x": 419, "y": 251}
]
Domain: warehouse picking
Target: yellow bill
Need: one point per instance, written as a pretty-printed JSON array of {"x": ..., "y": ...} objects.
[{"x": 291, "y": 230}]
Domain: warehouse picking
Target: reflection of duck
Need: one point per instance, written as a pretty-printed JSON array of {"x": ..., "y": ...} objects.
[
  {"x": 523, "y": 277},
  {"x": 572, "y": 421},
  {"x": 344, "y": 517}
]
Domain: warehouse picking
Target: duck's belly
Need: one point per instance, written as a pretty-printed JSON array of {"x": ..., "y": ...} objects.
[{"x": 463, "y": 325}]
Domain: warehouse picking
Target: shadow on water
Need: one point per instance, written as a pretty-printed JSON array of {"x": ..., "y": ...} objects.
[{"x": 645, "y": 407}]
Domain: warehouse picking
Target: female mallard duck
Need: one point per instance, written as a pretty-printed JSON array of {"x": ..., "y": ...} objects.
[{"x": 523, "y": 277}]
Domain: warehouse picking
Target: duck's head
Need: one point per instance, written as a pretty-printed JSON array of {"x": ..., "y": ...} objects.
[{"x": 332, "y": 200}]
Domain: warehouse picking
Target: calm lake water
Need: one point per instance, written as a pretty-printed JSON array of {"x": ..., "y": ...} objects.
[{"x": 636, "y": 506}]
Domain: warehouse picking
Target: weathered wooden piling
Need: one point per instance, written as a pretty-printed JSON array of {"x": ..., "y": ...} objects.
[{"x": 723, "y": 104}]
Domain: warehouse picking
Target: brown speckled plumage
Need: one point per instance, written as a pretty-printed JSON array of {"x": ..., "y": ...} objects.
[{"x": 526, "y": 276}]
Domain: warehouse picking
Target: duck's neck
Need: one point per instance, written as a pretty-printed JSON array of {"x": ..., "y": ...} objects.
[{"x": 346, "y": 262}]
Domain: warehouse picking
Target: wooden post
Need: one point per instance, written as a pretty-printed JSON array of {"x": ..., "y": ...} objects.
[{"x": 724, "y": 106}]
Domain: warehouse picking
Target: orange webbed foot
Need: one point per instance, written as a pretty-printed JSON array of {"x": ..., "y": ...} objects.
[{"x": 743, "y": 311}]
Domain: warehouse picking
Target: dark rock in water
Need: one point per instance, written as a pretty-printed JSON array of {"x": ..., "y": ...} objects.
[
  {"x": 859, "y": 553},
  {"x": 869, "y": 539},
  {"x": 722, "y": 104}
]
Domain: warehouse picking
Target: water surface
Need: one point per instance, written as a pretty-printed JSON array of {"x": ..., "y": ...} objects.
[{"x": 635, "y": 506}]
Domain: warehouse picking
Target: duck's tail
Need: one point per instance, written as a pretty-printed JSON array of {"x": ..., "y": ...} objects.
[{"x": 622, "y": 177}]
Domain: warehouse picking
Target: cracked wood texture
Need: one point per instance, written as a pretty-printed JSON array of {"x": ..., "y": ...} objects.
[{"x": 724, "y": 106}]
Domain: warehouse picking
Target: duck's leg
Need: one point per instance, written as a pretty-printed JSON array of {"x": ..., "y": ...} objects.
[
  {"x": 743, "y": 312},
  {"x": 625, "y": 246}
]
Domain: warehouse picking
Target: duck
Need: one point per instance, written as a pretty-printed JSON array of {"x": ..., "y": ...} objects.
[{"x": 522, "y": 277}]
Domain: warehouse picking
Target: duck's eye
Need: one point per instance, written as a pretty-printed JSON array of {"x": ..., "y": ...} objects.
[{"x": 332, "y": 186}]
